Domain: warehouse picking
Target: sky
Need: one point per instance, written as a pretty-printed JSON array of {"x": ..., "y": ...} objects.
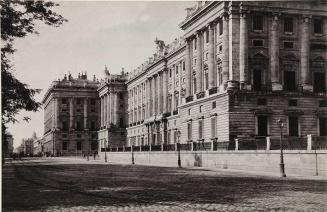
[{"x": 98, "y": 33}]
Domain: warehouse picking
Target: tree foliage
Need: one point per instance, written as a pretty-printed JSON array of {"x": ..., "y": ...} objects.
[{"x": 18, "y": 19}]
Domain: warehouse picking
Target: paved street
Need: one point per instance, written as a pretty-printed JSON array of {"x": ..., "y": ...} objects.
[{"x": 78, "y": 185}]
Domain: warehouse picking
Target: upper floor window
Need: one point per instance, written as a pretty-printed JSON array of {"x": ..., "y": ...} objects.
[
  {"x": 195, "y": 40},
  {"x": 293, "y": 126},
  {"x": 78, "y": 101},
  {"x": 176, "y": 69},
  {"x": 318, "y": 26},
  {"x": 207, "y": 36},
  {"x": 288, "y": 45},
  {"x": 257, "y": 22},
  {"x": 220, "y": 27},
  {"x": 183, "y": 66},
  {"x": 257, "y": 42},
  {"x": 288, "y": 24},
  {"x": 64, "y": 101},
  {"x": 92, "y": 101},
  {"x": 201, "y": 108},
  {"x": 214, "y": 104}
]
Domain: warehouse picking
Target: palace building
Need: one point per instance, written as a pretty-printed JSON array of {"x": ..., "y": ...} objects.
[
  {"x": 71, "y": 116},
  {"x": 239, "y": 67}
]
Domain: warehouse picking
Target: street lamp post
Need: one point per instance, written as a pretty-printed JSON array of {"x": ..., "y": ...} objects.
[
  {"x": 105, "y": 150},
  {"x": 281, "y": 165},
  {"x": 179, "y": 149}
]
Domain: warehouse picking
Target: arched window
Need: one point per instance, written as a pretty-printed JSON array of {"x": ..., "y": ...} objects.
[
  {"x": 290, "y": 67},
  {"x": 258, "y": 71},
  {"x": 318, "y": 67}
]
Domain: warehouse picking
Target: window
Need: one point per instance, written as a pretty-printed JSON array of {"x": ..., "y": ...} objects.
[
  {"x": 201, "y": 129},
  {"x": 262, "y": 125},
  {"x": 92, "y": 125},
  {"x": 121, "y": 96},
  {"x": 220, "y": 27},
  {"x": 64, "y": 135},
  {"x": 201, "y": 108},
  {"x": 257, "y": 42},
  {"x": 79, "y": 145},
  {"x": 288, "y": 24},
  {"x": 78, "y": 125},
  {"x": 64, "y": 101},
  {"x": 206, "y": 78},
  {"x": 78, "y": 110},
  {"x": 213, "y": 127},
  {"x": 64, "y": 145},
  {"x": 78, "y": 101},
  {"x": 257, "y": 79},
  {"x": 121, "y": 122},
  {"x": 189, "y": 111},
  {"x": 195, "y": 43},
  {"x": 183, "y": 66},
  {"x": 92, "y": 101},
  {"x": 293, "y": 126},
  {"x": 220, "y": 72},
  {"x": 289, "y": 78},
  {"x": 189, "y": 131},
  {"x": 262, "y": 101},
  {"x": 79, "y": 135},
  {"x": 288, "y": 45},
  {"x": 207, "y": 36},
  {"x": 176, "y": 70},
  {"x": 322, "y": 126},
  {"x": 194, "y": 85},
  {"x": 94, "y": 135},
  {"x": 170, "y": 73},
  {"x": 258, "y": 22},
  {"x": 319, "y": 82},
  {"x": 213, "y": 104},
  {"x": 194, "y": 61},
  {"x": 318, "y": 26},
  {"x": 220, "y": 48},
  {"x": 64, "y": 125},
  {"x": 322, "y": 103},
  {"x": 292, "y": 102}
]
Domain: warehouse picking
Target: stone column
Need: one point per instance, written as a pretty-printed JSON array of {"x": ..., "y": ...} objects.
[
  {"x": 71, "y": 113},
  {"x": 112, "y": 107},
  {"x": 225, "y": 59},
  {"x": 160, "y": 93},
  {"x": 149, "y": 98},
  {"x": 57, "y": 124},
  {"x": 188, "y": 69},
  {"x": 154, "y": 88},
  {"x": 199, "y": 62},
  {"x": 85, "y": 113},
  {"x": 211, "y": 59},
  {"x": 109, "y": 109},
  {"x": 105, "y": 108},
  {"x": 274, "y": 55},
  {"x": 305, "y": 76},
  {"x": 164, "y": 91},
  {"x": 243, "y": 50},
  {"x": 173, "y": 89},
  {"x": 234, "y": 48},
  {"x": 116, "y": 105},
  {"x": 137, "y": 96},
  {"x": 54, "y": 113}
]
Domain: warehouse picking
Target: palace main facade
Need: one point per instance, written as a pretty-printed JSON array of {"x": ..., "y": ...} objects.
[{"x": 239, "y": 67}]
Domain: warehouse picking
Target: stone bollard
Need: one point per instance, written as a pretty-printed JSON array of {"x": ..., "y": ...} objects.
[
  {"x": 309, "y": 147},
  {"x": 236, "y": 144},
  {"x": 162, "y": 147},
  {"x": 212, "y": 143},
  {"x": 268, "y": 143}
]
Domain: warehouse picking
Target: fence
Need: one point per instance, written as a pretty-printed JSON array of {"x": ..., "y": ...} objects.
[{"x": 261, "y": 143}]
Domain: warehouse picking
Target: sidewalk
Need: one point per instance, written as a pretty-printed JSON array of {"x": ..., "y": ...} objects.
[{"x": 80, "y": 160}]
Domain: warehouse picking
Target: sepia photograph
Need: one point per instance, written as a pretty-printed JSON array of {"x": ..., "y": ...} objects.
[{"x": 164, "y": 105}]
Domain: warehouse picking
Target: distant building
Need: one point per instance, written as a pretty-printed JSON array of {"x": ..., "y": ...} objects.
[
  {"x": 71, "y": 116},
  {"x": 27, "y": 147},
  {"x": 8, "y": 145},
  {"x": 113, "y": 96},
  {"x": 38, "y": 146}
]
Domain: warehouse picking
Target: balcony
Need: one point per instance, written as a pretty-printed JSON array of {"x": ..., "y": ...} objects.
[
  {"x": 213, "y": 90},
  {"x": 189, "y": 99},
  {"x": 175, "y": 112},
  {"x": 200, "y": 95}
]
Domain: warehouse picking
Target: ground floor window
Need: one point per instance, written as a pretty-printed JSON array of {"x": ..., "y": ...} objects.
[
  {"x": 293, "y": 126},
  {"x": 64, "y": 145},
  {"x": 213, "y": 127},
  {"x": 323, "y": 126},
  {"x": 200, "y": 129},
  {"x": 189, "y": 131},
  {"x": 79, "y": 145},
  {"x": 262, "y": 124}
]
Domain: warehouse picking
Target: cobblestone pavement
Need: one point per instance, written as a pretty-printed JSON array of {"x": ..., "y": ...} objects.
[{"x": 63, "y": 185}]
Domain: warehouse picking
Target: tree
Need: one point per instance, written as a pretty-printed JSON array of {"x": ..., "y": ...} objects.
[{"x": 18, "y": 19}]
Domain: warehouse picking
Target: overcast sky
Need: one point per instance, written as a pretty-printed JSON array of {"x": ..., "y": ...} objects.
[{"x": 116, "y": 34}]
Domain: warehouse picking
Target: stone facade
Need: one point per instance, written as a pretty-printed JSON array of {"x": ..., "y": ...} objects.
[
  {"x": 71, "y": 116},
  {"x": 240, "y": 67},
  {"x": 113, "y": 97}
]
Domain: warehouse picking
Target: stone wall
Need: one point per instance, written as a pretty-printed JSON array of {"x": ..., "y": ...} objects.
[{"x": 296, "y": 162}]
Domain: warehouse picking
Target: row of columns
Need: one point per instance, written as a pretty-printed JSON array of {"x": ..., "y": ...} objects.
[
  {"x": 235, "y": 53},
  {"x": 109, "y": 109},
  {"x": 55, "y": 119}
]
